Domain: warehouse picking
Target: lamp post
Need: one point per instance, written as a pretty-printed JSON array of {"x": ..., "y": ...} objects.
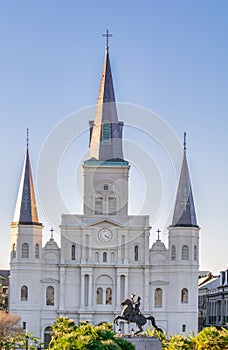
[{"x": 26, "y": 341}]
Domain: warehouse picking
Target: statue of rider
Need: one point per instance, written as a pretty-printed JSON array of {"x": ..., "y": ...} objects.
[{"x": 136, "y": 307}]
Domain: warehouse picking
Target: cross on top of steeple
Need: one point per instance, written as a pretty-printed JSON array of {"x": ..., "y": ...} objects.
[
  {"x": 185, "y": 145},
  {"x": 107, "y": 35},
  {"x": 27, "y": 138},
  {"x": 158, "y": 232},
  {"x": 51, "y": 230}
]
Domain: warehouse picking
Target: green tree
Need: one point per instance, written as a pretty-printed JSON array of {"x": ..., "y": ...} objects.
[{"x": 67, "y": 336}]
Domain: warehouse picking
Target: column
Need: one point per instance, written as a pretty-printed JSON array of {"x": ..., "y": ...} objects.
[
  {"x": 117, "y": 289},
  {"x": 146, "y": 289},
  {"x": 82, "y": 290},
  {"x": 126, "y": 284},
  {"x": 62, "y": 288},
  {"x": 91, "y": 289}
]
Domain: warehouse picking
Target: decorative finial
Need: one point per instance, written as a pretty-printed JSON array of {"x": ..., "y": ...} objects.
[
  {"x": 52, "y": 230},
  {"x": 107, "y": 35},
  {"x": 158, "y": 232},
  {"x": 27, "y": 138},
  {"x": 185, "y": 141}
]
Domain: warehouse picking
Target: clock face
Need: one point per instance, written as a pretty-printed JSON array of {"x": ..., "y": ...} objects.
[{"x": 105, "y": 235}]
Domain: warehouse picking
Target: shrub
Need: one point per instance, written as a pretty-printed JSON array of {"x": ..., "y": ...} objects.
[
  {"x": 67, "y": 336},
  {"x": 180, "y": 342},
  {"x": 212, "y": 338}
]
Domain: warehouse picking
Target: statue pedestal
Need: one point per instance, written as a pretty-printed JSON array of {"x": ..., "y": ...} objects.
[{"x": 144, "y": 342}]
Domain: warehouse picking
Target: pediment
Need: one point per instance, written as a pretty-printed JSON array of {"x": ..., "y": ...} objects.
[
  {"x": 105, "y": 222},
  {"x": 158, "y": 283},
  {"x": 49, "y": 280}
]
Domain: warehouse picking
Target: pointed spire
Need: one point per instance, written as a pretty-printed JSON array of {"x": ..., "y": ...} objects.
[
  {"x": 184, "y": 212},
  {"x": 106, "y": 130},
  {"x": 26, "y": 211}
]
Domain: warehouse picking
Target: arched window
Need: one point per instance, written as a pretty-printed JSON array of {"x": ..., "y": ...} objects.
[
  {"x": 108, "y": 296},
  {"x": 37, "y": 251},
  {"x": 47, "y": 336},
  {"x": 112, "y": 206},
  {"x": 195, "y": 253},
  {"x": 25, "y": 250},
  {"x": 98, "y": 206},
  {"x": 185, "y": 252},
  {"x": 136, "y": 253},
  {"x": 73, "y": 252},
  {"x": 14, "y": 251},
  {"x": 24, "y": 293},
  {"x": 104, "y": 257},
  {"x": 99, "y": 296},
  {"x": 50, "y": 294},
  {"x": 158, "y": 297},
  {"x": 184, "y": 295},
  {"x": 173, "y": 252},
  {"x": 97, "y": 257}
]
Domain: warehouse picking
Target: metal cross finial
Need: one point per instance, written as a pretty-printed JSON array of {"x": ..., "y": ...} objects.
[
  {"x": 185, "y": 141},
  {"x": 51, "y": 230},
  {"x": 158, "y": 232},
  {"x": 107, "y": 35},
  {"x": 27, "y": 138}
]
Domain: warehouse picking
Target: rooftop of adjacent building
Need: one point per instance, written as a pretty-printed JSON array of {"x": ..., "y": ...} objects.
[
  {"x": 210, "y": 282},
  {"x": 4, "y": 277}
]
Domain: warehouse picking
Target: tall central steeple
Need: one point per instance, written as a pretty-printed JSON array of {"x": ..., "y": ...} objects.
[{"x": 106, "y": 130}]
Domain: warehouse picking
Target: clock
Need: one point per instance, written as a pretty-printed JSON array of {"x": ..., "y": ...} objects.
[{"x": 105, "y": 235}]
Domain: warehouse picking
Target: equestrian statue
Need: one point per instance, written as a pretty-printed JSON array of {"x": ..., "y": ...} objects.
[{"x": 131, "y": 313}]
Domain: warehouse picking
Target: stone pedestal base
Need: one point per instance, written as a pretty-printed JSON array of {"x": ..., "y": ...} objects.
[{"x": 144, "y": 343}]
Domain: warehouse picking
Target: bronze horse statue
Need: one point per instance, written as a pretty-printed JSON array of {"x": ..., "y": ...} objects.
[{"x": 128, "y": 314}]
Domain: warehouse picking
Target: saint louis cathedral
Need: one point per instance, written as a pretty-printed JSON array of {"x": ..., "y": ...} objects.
[{"x": 104, "y": 254}]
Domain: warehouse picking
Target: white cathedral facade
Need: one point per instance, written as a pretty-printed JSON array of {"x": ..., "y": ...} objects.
[{"x": 104, "y": 254}]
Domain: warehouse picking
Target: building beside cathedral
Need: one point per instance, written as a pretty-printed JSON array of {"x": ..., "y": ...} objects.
[{"x": 104, "y": 254}]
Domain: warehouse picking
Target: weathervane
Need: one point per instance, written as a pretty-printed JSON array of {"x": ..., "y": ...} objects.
[{"x": 107, "y": 35}]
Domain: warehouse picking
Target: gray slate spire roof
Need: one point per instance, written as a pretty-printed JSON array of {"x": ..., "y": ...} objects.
[
  {"x": 106, "y": 130},
  {"x": 26, "y": 211},
  {"x": 184, "y": 212}
]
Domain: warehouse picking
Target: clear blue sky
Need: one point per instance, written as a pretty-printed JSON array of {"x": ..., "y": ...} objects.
[{"x": 167, "y": 56}]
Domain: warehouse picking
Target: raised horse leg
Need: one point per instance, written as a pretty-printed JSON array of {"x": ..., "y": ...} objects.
[{"x": 115, "y": 321}]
